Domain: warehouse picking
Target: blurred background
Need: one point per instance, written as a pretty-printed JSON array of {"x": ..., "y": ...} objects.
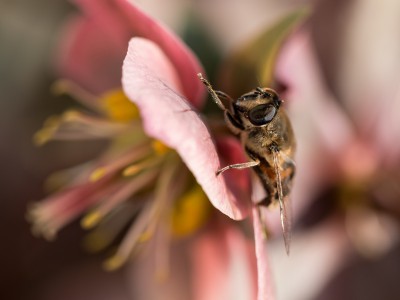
[{"x": 339, "y": 251}]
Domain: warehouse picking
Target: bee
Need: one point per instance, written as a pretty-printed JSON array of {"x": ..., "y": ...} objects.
[{"x": 267, "y": 136}]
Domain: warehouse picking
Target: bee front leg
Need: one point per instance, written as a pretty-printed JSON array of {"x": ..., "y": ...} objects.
[
  {"x": 212, "y": 92},
  {"x": 233, "y": 123},
  {"x": 246, "y": 165}
]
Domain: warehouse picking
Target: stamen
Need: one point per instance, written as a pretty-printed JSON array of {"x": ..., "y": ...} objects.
[
  {"x": 148, "y": 216},
  {"x": 50, "y": 215},
  {"x": 107, "y": 231},
  {"x": 65, "y": 86},
  {"x": 129, "y": 189},
  {"x": 135, "y": 153},
  {"x": 142, "y": 165},
  {"x": 74, "y": 125},
  {"x": 162, "y": 255}
]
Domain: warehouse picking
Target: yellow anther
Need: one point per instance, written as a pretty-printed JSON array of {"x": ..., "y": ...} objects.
[
  {"x": 70, "y": 115},
  {"x": 47, "y": 131},
  {"x": 159, "y": 147},
  {"x": 91, "y": 220},
  {"x": 190, "y": 212},
  {"x": 97, "y": 174},
  {"x": 131, "y": 170},
  {"x": 118, "y": 107},
  {"x": 52, "y": 121},
  {"x": 42, "y": 136},
  {"x": 113, "y": 263}
]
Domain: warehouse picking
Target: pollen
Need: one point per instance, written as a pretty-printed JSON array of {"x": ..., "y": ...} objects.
[
  {"x": 42, "y": 136},
  {"x": 97, "y": 174},
  {"x": 159, "y": 147},
  {"x": 118, "y": 107},
  {"x": 113, "y": 263},
  {"x": 190, "y": 213},
  {"x": 91, "y": 220},
  {"x": 131, "y": 170}
]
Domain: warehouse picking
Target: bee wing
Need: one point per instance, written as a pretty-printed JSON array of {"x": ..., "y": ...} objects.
[{"x": 284, "y": 204}]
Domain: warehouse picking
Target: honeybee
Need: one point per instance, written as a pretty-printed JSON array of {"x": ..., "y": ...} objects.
[{"x": 267, "y": 136}]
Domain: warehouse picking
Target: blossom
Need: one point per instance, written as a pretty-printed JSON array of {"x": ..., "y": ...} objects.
[
  {"x": 148, "y": 76},
  {"x": 140, "y": 182}
]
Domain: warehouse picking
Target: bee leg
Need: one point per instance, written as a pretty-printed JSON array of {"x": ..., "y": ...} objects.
[
  {"x": 234, "y": 126},
  {"x": 233, "y": 123},
  {"x": 223, "y": 95},
  {"x": 246, "y": 165},
  {"x": 212, "y": 92},
  {"x": 269, "y": 189}
]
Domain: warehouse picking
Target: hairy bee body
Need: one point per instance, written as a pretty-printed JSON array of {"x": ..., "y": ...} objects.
[
  {"x": 260, "y": 143},
  {"x": 267, "y": 137}
]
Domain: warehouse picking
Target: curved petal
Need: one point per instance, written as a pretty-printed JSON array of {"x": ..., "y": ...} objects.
[
  {"x": 221, "y": 258},
  {"x": 231, "y": 152},
  {"x": 265, "y": 289},
  {"x": 87, "y": 58},
  {"x": 150, "y": 80},
  {"x": 180, "y": 55},
  {"x": 126, "y": 20}
]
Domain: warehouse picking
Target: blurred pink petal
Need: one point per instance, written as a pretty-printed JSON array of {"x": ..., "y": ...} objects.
[
  {"x": 150, "y": 80},
  {"x": 231, "y": 152},
  {"x": 265, "y": 290},
  {"x": 146, "y": 282},
  {"x": 111, "y": 24},
  {"x": 319, "y": 124},
  {"x": 224, "y": 265},
  {"x": 387, "y": 131},
  {"x": 87, "y": 58}
]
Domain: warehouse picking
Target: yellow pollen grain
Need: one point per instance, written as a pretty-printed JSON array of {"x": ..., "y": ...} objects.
[
  {"x": 131, "y": 170},
  {"x": 70, "y": 115},
  {"x": 190, "y": 212},
  {"x": 42, "y": 136},
  {"x": 97, "y": 174},
  {"x": 159, "y": 147},
  {"x": 113, "y": 263},
  {"x": 118, "y": 107},
  {"x": 91, "y": 220}
]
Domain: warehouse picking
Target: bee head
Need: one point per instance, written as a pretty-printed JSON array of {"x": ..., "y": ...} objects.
[{"x": 258, "y": 107}]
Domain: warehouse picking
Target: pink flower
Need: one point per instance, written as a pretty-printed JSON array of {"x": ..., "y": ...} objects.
[{"x": 140, "y": 180}]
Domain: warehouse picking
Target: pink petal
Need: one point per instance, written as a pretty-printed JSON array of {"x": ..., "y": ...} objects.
[
  {"x": 180, "y": 55},
  {"x": 265, "y": 289},
  {"x": 124, "y": 20},
  {"x": 150, "y": 80},
  {"x": 223, "y": 264},
  {"x": 87, "y": 58},
  {"x": 321, "y": 128},
  {"x": 146, "y": 282},
  {"x": 231, "y": 152}
]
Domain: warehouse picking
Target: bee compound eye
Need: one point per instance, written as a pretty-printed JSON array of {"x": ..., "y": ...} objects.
[{"x": 262, "y": 114}]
